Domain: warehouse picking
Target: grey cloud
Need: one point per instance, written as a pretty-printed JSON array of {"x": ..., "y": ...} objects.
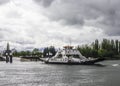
[
  {"x": 4, "y": 33},
  {"x": 29, "y": 48},
  {"x": 24, "y": 42},
  {"x": 7, "y": 34},
  {"x": 45, "y": 3},
  {"x": 76, "y": 12},
  {"x": 3, "y": 1},
  {"x": 63, "y": 37}
]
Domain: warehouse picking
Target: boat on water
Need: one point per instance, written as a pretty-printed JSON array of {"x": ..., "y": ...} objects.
[{"x": 69, "y": 55}]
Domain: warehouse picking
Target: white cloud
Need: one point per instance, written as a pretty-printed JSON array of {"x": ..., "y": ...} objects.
[{"x": 25, "y": 25}]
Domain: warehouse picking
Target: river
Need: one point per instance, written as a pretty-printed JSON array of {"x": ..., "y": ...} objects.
[{"x": 40, "y": 74}]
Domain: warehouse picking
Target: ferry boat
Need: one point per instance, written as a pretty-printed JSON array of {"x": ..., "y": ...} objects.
[{"x": 68, "y": 55}]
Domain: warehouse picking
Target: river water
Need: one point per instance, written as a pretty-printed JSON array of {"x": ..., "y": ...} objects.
[{"x": 40, "y": 74}]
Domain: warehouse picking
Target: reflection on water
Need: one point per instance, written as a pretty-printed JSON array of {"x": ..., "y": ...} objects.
[{"x": 39, "y": 74}]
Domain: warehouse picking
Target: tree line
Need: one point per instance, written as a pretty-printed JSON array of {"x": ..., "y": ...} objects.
[
  {"x": 47, "y": 52},
  {"x": 109, "y": 49},
  {"x": 34, "y": 52}
]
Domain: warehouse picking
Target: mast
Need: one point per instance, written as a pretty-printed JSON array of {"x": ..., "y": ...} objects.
[{"x": 8, "y": 47}]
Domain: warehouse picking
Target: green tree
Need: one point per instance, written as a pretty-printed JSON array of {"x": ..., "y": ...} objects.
[
  {"x": 102, "y": 53},
  {"x": 15, "y": 53},
  {"x": 23, "y": 53},
  {"x": 46, "y": 52},
  {"x": 94, "y": 53},
  {"x": 36, "y": 52},
  {"x": 28, "y": 53},
  {"x": 119, "y": 47},
  {"x": 112, "y": 45},
  {"x": 85, "y": 50},
  {"x": 116, "y": 47},
  {"x": 52, "y": 50},
  {"x": 96, "y": 44}
]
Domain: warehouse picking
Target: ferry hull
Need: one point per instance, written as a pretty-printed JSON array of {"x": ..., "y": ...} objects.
[{"x": 90, "y": 62}]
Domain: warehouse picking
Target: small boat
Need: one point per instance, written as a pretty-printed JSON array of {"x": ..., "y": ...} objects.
[{"x": 68, "y": 55}]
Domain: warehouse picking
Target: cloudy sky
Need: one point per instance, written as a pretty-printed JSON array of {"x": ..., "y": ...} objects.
[{"x": 38, "y": 23}]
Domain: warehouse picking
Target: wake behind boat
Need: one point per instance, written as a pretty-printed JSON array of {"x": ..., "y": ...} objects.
[{"x": 68, "y": 55}]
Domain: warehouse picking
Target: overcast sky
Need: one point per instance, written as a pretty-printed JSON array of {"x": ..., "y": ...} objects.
[{"x": 39, "y": 23}]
